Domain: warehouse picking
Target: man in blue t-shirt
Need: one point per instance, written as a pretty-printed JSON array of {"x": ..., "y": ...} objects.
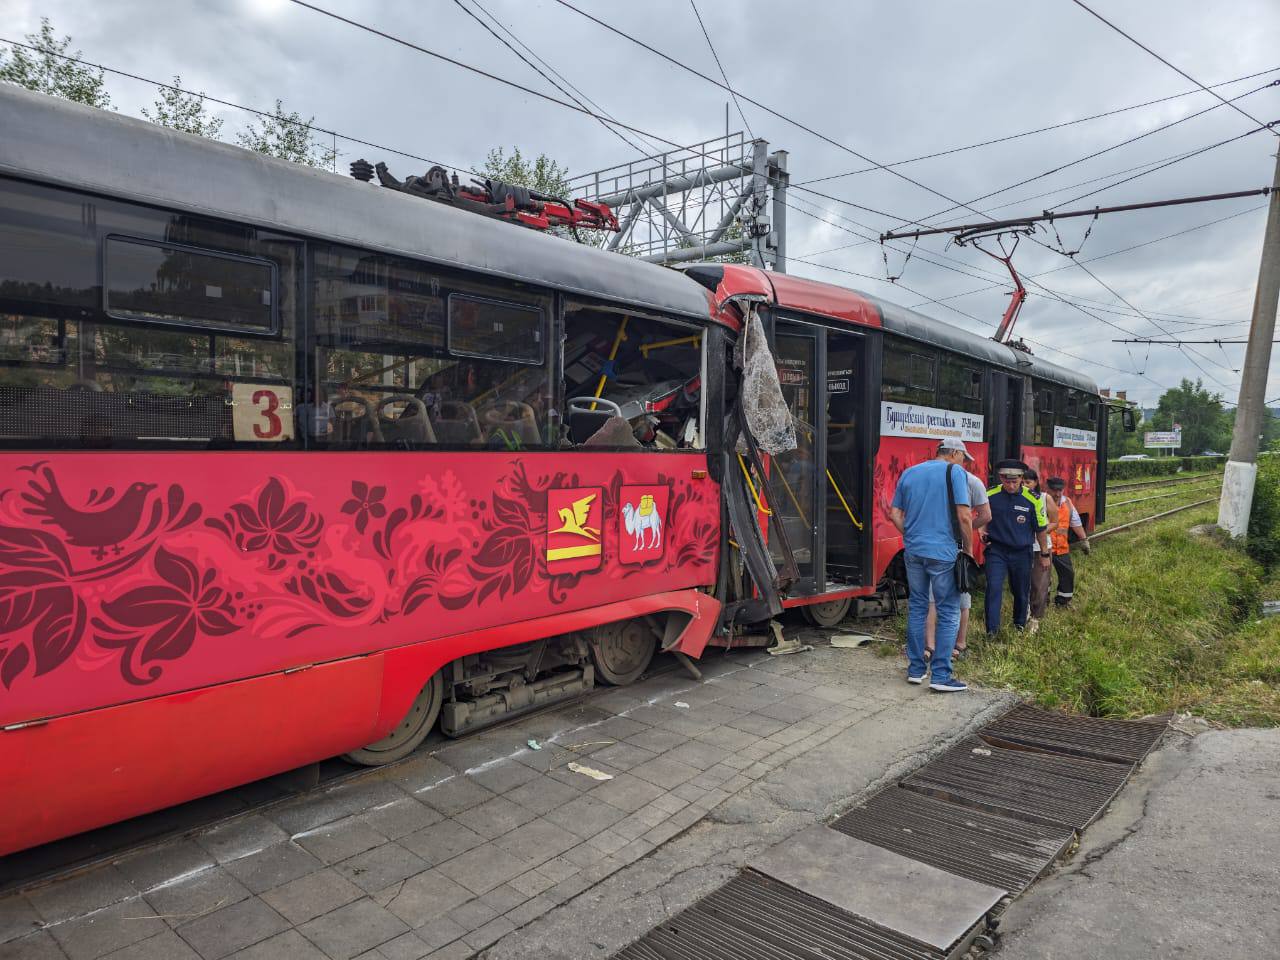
[{"x": 921, "y": 510}]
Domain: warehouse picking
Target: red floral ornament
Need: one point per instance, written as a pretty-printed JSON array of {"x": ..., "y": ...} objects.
[
  {"x": 161, "y": 621},
  {"x": 365, "y": 503},
  {"x": 271, "y": 523}
]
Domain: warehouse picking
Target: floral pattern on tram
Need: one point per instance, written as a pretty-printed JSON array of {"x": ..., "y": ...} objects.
[{"x": 143, "y": 576}]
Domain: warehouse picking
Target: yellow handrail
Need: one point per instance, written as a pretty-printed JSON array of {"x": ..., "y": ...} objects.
[
  {"x": 836, "y": 487},
  {"x": 695, "y": 340},
  {"x": 752, "y": 487},
  {"x": 613, "y": 353}
]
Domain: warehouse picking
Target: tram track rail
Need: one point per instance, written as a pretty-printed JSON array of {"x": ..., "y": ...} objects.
[
  {"x": 1130, "y": 524},
  {"x": 61, "y": 859},
  {"x": 1162, "y": 481},
  {"x": 1162, "y": 496}
]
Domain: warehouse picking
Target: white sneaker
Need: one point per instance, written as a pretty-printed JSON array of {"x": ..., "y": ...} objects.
[{"x": 1033, "y": 625}]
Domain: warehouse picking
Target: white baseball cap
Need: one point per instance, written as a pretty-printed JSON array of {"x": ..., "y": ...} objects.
[{"x": 954, "y": 446}]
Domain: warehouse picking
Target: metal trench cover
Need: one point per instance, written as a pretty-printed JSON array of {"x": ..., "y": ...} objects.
[
  {"x": 754, "y": 917},
  {"x": 1118, "y": 741},
  {"x": 1023, "y": 784},
  {"x": 974, "y": 844}
]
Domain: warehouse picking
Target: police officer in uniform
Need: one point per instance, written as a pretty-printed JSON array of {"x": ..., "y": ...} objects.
[{"x": 1018, "y": 521}]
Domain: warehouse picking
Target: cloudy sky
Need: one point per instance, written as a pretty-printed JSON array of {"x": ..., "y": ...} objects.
[{"x": 890, "y": 81}]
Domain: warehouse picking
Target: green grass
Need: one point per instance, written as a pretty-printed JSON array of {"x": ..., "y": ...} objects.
[{"x": 1161, "y": 622}]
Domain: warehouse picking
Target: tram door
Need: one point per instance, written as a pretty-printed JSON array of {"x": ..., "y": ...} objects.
[
  {"x": 1005, "y": 413},
  {"x": 846, "y": 470},
  {"x": 795, "y": 473}
]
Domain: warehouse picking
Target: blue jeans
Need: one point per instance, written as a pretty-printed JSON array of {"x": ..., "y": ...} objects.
[
  {"x": 922, "y": 574},
  {"x": 1013, "y": 564}
]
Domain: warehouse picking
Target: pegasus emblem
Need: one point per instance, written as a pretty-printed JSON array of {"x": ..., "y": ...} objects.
[{"x": 574, "y": 517}]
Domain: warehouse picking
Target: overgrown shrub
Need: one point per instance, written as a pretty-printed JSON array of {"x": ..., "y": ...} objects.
[
  {"x": 1160, "y": 466},
  {"x": 1263, "y": 540}
]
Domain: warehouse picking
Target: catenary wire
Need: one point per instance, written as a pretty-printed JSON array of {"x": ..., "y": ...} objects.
[
  {"x": 1136, "y": 42},
  {"x": 745, "y": 122}
]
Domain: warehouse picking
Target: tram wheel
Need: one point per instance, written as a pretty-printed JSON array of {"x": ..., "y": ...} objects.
[
  {"x": 827, "y": 614},
  {"x": 622, "y": 651},
  {"x": 411, "y": 730}
]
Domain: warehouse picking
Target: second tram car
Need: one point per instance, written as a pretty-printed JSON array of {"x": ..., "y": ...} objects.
[{"x": 294, "y": 466}]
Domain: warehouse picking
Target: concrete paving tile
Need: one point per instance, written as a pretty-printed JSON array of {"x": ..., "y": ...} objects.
[
  {"x": 586, "y": 816},
  {"x": 669, "y": 803},
  {"x": 353, "y": 929},
  {"x": 583, "y": 855},
  {"x": 485, "y": 867},
  {"x": 542, "y": 794},
  {"x": 634, "y": 850},
  {"x": 495, "y": 817},
  {"x": 756, "y": 725},
  {"x": 463, "y": 755},
  {"x": 793, "y": 709},
  {"x": 407, "y": 946},
  {"x": 232, "y": 928},
  {"x": 382, "y": 866},
  {"x": 624, "y": 755},
  {"x": 685, "y": 725},
  {"x": 163, "y": 946},
  {"x": 503, "y": 777},
  {"x": 314, "y": 810},
  {"x": 241, "y": 838},
  {"x": 651, "y": 816},
  {"x": 472, "y": 915},
  {"x": 665, "y": 772},
  {"x": 631, "y": 827},
  {"x": 454, "y": 796},
  {"x": 698, "y": 754},
  {"x": 17, "y": 917},
  {"x": 626, "y": 792},
  {"x": 727, "y": 737},
  {"x": 195, "y": 896},
  {"x": 107, "y": 929},
  {"x": 504, "y": 898},
  {"x": 688, "y": 816},
  {"x": 581, "y": 782},
  {"x": 458, "y": 950},
  {"x": 738, "y": 762},
  {"x": 662, "y": 833},
  {"x": 532, "y": 882},
  {"x": 311, "y": 896},
  {"x": 400, "y": 818},
  {"x": 273, "y": 866},
  {"x": 427, "y": 897},
  {"x": 689, "y": 792},
  {"x": 439, "y": 932},
  {"x": 338, "y": 841},
  {"x": 566, "y": 890},
  {"x": 617, "y": 728},
  {"x": 162, "y": 864},
  {"x": 79, "y": 895},
  {"x": 656, "y": 740},
  {"x": 441, "y": 841},
  {"x": 419, "y": 772},
  {"x": 490, "y": 933},
  {"x": 559, "y": 868},
  {"x": 538, "y": 840},
  {"x": 608, "y": 842},
  {"x": 530, "y": 910},
  {"x": 35, "y": 946},
  {"x": 290, "y": 945}
]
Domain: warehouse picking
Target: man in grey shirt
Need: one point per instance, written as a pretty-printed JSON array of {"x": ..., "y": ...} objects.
[{"x": 981, "y": 507}]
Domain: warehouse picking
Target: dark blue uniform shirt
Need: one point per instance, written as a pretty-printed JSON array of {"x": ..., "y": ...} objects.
[{"x": 1015, "y": 518}]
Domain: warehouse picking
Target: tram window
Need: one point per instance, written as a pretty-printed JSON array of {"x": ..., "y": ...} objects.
[
  {"x": 960, "y": 386},
  {"x": 185, "y": 285},
  {"x": 1046, "y": 402},
  {"x": 908, "y": 375},
  {"x": 647, "y": 372},
  {"x": 409, "y": 357},
  {"x": 72, "y": 375}
]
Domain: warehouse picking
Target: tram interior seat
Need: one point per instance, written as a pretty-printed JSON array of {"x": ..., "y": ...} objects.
[
  {"x": 510, "y": 421},
  {"x": 456, "y": 422},
  {"x": 355, "y": 422},
  {"x": 403, "y": 420}
]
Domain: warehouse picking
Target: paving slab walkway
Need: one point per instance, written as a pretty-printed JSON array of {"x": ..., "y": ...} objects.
[{"x": 487, "y": 846}]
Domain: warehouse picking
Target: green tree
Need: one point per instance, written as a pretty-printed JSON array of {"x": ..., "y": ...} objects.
[
  {"x": 287, "y": 136},
  {"x": 1119, "y": 441},
  {"x": 543, "y": 175},
  {"x": 1205, "y": 424},
  {"x": 50, "y": 69},
  {"x": 183, "y": 111}
]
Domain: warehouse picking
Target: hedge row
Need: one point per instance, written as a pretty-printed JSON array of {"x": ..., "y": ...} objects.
[{"x": 1159, "y": 467}]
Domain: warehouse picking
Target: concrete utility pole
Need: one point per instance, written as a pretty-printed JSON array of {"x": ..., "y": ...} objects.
[{"x": 1242, "y": 463}]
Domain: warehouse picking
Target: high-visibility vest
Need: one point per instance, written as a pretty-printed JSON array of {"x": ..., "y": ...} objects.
[{"x": 1061, "y": 542}]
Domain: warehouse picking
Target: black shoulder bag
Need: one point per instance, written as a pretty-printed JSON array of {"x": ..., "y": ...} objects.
[{"x": 968, "y": 572}]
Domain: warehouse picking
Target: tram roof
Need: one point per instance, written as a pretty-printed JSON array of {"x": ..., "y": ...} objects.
[
  {"x": 55, "y": 141},
  {"x": 852, "y": 306}
]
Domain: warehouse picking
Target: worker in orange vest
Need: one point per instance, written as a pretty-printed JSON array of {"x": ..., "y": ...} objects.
[{"x": 1060, "y": 536}]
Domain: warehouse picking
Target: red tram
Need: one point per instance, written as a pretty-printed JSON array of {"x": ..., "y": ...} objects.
[{"x": 294, "y": 466}]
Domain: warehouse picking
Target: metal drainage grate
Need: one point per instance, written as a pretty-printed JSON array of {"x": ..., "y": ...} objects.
[
  {"x": 970, "y": 843},
  {"x": 753, "y": 917},
  {"x": 1039, "y": 787},
  {"x": 1118, "y": 741}
]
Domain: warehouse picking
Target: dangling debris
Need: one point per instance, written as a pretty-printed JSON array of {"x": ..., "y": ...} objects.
[{"x": 765, "y": 408}]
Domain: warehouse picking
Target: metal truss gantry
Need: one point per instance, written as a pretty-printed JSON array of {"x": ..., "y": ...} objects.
[{"x": 719, "y": 198}]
